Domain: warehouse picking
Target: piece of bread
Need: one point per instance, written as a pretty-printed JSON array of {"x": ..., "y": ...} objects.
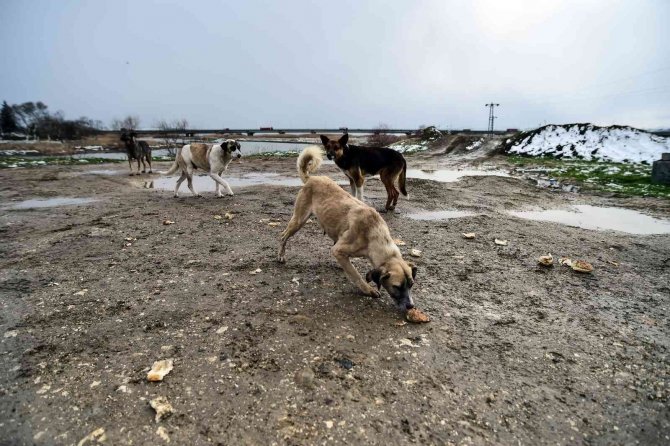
[{"x": 417, "y": 316}]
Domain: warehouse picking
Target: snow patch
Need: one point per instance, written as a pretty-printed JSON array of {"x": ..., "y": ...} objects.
[{"x": 589, "y": 142}]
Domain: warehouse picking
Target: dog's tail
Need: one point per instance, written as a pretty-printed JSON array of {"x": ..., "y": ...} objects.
[
  {"x": 309, "y": 161},
  {"x": 403, "y": 177},
  {"x": 175, "y": 165}
]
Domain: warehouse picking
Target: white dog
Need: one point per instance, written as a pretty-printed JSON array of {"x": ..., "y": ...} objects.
[{"x": 210, "y": 158}]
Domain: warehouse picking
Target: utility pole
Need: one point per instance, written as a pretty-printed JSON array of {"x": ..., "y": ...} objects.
[{"x": 492, "y": 117}]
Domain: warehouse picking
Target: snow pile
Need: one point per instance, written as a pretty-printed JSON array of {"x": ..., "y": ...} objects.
[
  {"x": 409, "y": 146},
  {"x": 475, "y": 144},
  {"x": 430, "y": 132},
  {"x": 590, "y": 142}
]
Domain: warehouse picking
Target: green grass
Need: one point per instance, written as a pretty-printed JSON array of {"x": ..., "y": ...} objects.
[{"x": 620, "y": 178}]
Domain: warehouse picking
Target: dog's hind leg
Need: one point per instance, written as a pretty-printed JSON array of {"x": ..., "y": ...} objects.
[
  {"x": 391, "y": 192},
  {"x": 342, "y": 254},
  {"x": 144, "y": 166},
  {"x": 148, "y": 156},
  {"x": 130, "y": 165},
  {"x": 179, "y": 181},
  {"x": 301, "y": 214}
]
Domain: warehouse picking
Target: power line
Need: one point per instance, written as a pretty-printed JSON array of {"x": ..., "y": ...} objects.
[{"x": 492, "y": 117}]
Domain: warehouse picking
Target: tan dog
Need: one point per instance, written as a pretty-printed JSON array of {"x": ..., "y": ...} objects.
[
  {"x": 357, "y": 230},
  {"x": 213, "y": 159}
]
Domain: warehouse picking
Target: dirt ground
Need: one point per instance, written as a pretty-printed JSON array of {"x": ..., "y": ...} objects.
[{"x": 516, "y": 353}]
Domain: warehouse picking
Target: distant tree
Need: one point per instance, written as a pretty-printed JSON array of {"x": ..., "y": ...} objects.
[
  {"x": 381, "y": 137},
  {"x": 130, "y": 122},
  {"x": 29, "y": 114},
  {"x": 7, "y": 119},
  {"x": 171, "y": 131}
]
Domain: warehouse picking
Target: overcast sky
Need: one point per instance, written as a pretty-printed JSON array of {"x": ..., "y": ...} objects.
[{"x": 342, "y": 63}]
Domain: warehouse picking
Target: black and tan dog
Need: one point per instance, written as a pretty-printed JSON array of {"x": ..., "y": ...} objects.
[
  {"x": 357, "y": 230},
  {"x": 358, "y": 162},
  {"x": 137, "y": 150}
]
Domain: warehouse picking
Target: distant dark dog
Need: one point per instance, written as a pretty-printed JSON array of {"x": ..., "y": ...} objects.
[
  {"x": 137, "y": 150},
  {"x": 358, "y": 162}
]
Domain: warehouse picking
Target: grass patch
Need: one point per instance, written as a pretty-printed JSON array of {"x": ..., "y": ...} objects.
[
  {"x": 14, "y": 162},
  {"x": 620, "y": 178},
  {"x": 286, "y": 154}
]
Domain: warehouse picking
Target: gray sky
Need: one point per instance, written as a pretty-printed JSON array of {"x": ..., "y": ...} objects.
[{"x": 342, "y": 63}]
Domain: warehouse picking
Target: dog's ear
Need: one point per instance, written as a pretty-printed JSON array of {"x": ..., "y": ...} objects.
[
  {"x": 376, "y": 276},
  {"x": 238, "y": 145},
  {"x": 343, "y": 140},
  {"x": 324, "y": 139},
  {"x": 413, "y": 267}
]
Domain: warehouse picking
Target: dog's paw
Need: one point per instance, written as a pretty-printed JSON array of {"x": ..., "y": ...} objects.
[
  {"x": 281, "y": 259},
  {"x": 374, "y": 293}
]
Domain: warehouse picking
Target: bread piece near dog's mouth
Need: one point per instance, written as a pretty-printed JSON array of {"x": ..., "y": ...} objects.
[{"x": 417, "y": 316}]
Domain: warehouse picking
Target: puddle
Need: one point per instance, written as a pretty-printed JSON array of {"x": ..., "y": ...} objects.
[
  {"x": 50, "y": 202},
  {"x": 438, "y": 215},
  {"x": 205, "y": 183},
  {"x": 600, "y": 218},
  {"x": 105, "y": 172},
  {"x": 448, "y": 176}
]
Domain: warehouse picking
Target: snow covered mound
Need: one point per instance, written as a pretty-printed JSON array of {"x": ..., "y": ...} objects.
[{"x": 619, "y": 144}]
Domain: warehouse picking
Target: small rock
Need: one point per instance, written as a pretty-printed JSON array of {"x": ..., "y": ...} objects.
[
  {"x": 256, "y": 271},
  {"x": 229, "y": 216},
  {"x": 329, "y": 424},
  {"x": 469, "y": 235},
  {"x": 304, "y": 378},
  {"x": 415, "y": 252},
  {"x": 345, "y": 363},
  {"x": 500, "y": 242},
  {"x": 10, "y": 334},
  {"x": 222, "y": 330},
  {"x": 274, "y": 223},
  {"x": 80, "y": 293},
  {"x": 217, "y": 217},
  {"x": 168, "y": 222}
]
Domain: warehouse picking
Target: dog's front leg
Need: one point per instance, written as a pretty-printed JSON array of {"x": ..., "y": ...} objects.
[
  {"x": 351, "y": 272},
  {"x": 216, "y": 177}
]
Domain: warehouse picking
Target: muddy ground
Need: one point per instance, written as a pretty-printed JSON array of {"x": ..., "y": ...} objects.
[{"x": 515, "y": 353}]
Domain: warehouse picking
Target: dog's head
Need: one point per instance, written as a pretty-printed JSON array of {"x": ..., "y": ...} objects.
[
  {"x": 230, "y": 146},
  {"x": 335, "y": 149},
  {"x": 397, "y": 277}
]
